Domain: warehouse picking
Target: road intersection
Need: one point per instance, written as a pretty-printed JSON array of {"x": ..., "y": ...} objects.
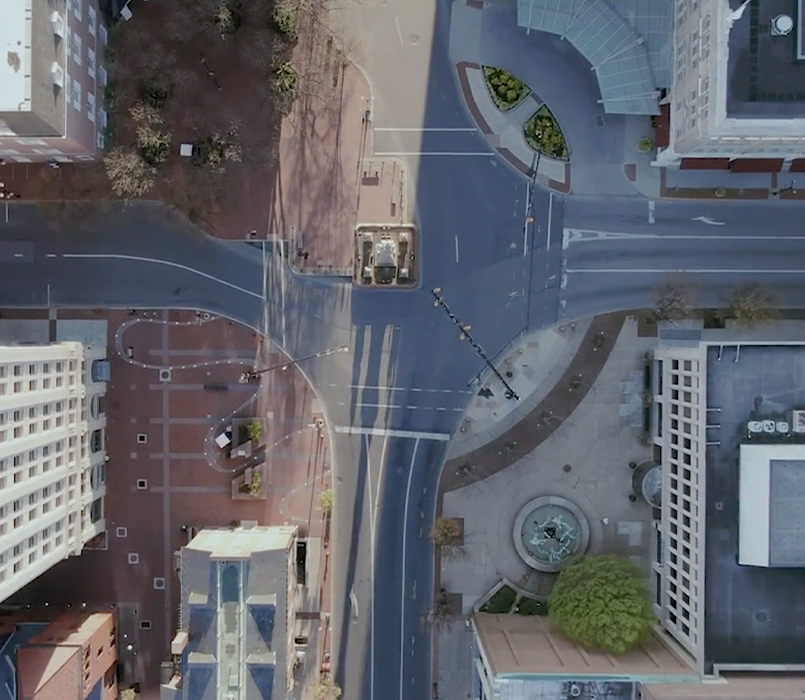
[{"x": 392, "y": 401}]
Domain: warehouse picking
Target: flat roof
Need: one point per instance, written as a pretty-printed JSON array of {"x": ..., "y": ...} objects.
[
  {"x": 526, "y": 645},
  {"x": 15, "y": 35},
  {"x": 771, "y": 528},
  {"x": 242, "y": 542},
  {"x": 765, "y": 79},
  {"x": 752, "y": 615}
]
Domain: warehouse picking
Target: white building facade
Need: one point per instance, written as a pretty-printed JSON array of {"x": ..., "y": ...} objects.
[
  {"x": 700, "y": 126},
  {"x": 52, "y": 457}
]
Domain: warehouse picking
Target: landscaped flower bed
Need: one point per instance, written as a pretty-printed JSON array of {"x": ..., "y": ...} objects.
[
  {"x": 543, "y": 134},
  {"x": 505, "y": 90}
]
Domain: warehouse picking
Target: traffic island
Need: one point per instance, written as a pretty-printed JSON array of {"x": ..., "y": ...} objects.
[{"x": 385, "y": 257}]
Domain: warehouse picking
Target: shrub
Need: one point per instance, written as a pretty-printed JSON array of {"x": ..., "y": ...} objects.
[
  {"x": 529, "y": 606},
  {"x": 505, "y": 90},
  {"x": 501, "y": 603},
  {"x": 543, "y": 135},
  {"x": 254, "y": 430},
  {"x": 283, "y": 20},
  {"x": 283, "y": 78},
  {"x": 326, "y": 501}
]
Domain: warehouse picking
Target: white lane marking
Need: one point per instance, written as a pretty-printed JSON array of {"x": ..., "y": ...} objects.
[
  {"x": 389, "y": 154},
  {"x": 398, "y": 405},
  {"x": 353, "y": 601},
  {"x": 704, "y": 271},
  {"x": 707, "y": 220},
  {"x": 6, "y": 212},
  {"x": 372, "y": 510},
  {"x": 17, "y": 255},
  {"x": 282, "y": 294},
  {"x": 399, "y": 31},
  {"x": 404, "y": 556},
  {"x": 456, "y": 247},
  {"x": 574, "y": 235},
  {"x": 51, "y": 255},
  {"x": 651, "y": 205},
  {"x": 423, "y": 128},
  {"x": 550, "y": 217},
  {"x": 383, "y": 432},
  {"x": 402, "y": 388},
  {"x": 167, "y": 263}
]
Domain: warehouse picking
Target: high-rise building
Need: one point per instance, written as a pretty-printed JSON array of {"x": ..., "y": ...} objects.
[
  {"x": 737, "y": 100},
  {"x": 52, "y": 456},
  {"x": 51, "y": 80},
  {"x": 237, "y": 616}
]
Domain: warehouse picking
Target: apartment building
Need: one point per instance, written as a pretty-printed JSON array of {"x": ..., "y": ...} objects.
[
  {"x": 52, "y": 81},
  {"x": 52, "y": 456},
  {"x": 70, "y": 655},
  {"x": 737, "y": 101},
  {"x": 237, "y": 616}
]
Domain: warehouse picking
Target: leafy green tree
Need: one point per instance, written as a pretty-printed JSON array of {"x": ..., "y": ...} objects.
[
  {"x": 602, "y": 602},
  {"x": 750, "y": 305}
]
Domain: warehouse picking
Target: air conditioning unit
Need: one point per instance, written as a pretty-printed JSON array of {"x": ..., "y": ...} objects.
[
  {"x": 57, "y": 74},
  {"x": 798, "y": 421},
  {"x": 58, "y": 24}
]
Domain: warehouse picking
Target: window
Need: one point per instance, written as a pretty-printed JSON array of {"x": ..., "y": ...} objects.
[
  {"x": 91, "y": 62},
  {"x": 92, "y": 19},
  {"x": 77, "y": 7},
  {"x": 77, "y": 48},
  {"x": 91, "y": 107},
  {"x": 102, "y": 33},
  {"x": 77, "y": 105},
  {"x": 102, "y": 76}
]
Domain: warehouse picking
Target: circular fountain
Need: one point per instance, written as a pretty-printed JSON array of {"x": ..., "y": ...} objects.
[{"x": 549, "y": 531}]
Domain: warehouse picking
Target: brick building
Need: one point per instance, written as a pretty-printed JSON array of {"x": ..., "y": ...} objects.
[
  {"x": 69, "y": 656},
  {"x": 51, "y": 81}
]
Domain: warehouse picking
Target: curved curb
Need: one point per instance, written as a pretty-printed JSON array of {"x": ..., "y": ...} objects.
[
  {"x": 525, "y": 436},
  {"x": 472, "y": 107}
]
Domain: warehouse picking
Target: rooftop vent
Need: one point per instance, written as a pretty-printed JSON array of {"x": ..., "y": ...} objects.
[{"x": 782, "y": 25}]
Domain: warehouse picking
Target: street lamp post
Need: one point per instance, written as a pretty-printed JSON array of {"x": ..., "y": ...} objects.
[
  {"x": 250, "y": 375},
  {"x": 465, "y": 335}
]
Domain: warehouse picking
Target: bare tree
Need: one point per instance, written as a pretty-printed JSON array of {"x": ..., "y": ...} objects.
[
  {"x": 448, "y": 534},
  {"x": 441, "y": 614},
  {"x": 674, "y": 300},
  {"x": 128, "y": 173},
  {"x": 326, "y": 688},
  {"x": 751, "y": 305}
]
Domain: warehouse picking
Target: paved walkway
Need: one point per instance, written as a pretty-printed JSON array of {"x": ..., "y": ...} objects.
[
  {"x": 586, "y": 460},
  {"x": 523, "y": 437},
  {"x": 328, "y": 181}
]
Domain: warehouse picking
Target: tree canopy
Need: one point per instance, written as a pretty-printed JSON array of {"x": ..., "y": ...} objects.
[{"x": 602, "y": 602}]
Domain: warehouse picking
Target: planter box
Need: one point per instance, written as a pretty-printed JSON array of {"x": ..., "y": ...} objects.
[{"x": 246, "y": 478}]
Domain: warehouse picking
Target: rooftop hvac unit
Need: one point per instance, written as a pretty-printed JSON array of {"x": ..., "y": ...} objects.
[
  {"x": 58, "y": 24},
  {"x": 57, "y": 74},
  {"x": 798, "y": 421}
]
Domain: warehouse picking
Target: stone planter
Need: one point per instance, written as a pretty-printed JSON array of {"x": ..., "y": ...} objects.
[{"x": 240, "y": 484}]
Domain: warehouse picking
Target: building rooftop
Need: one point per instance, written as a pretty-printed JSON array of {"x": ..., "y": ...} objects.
[
  {"x": 242, "y": 543},
  {"x": 765, "y": 79},
  {"x": 771, "y": 528},
  {"x": 15, "y": 36},
  {"x": 752, "y": 615},
  {"x": 518, "y": 645}
]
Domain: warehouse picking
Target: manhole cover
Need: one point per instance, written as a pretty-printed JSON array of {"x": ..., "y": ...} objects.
[
  {"x": 719, "y": 505},
  {"x": 761, "y": 617},
  {"x": 567, "y": 469}
]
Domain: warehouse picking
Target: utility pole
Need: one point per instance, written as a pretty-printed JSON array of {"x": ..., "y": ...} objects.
[
  {"x": 465, "y": 335},
  {"x": 249, "y": 376}
]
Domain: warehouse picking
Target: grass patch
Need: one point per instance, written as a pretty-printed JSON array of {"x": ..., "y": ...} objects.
[
  {"x": 501, "y": 603},
  {"x": 529, "y": 606},
  {"x": 505, "y": 90},
  {"x": 543, "y": 135}
]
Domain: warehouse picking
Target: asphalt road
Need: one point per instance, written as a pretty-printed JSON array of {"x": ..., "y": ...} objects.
[{"x": 391, "y": 401}]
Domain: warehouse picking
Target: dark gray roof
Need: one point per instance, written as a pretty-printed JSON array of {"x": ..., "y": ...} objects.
[
  {"x": 753, "y": 615},
  {"x": 787, "y": 513}
]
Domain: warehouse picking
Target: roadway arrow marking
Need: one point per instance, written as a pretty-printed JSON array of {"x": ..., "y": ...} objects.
[{"x": 707, "y": 220}]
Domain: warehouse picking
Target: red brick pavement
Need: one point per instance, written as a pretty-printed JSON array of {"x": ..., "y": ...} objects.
[{"x": 135, "y": 405}]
